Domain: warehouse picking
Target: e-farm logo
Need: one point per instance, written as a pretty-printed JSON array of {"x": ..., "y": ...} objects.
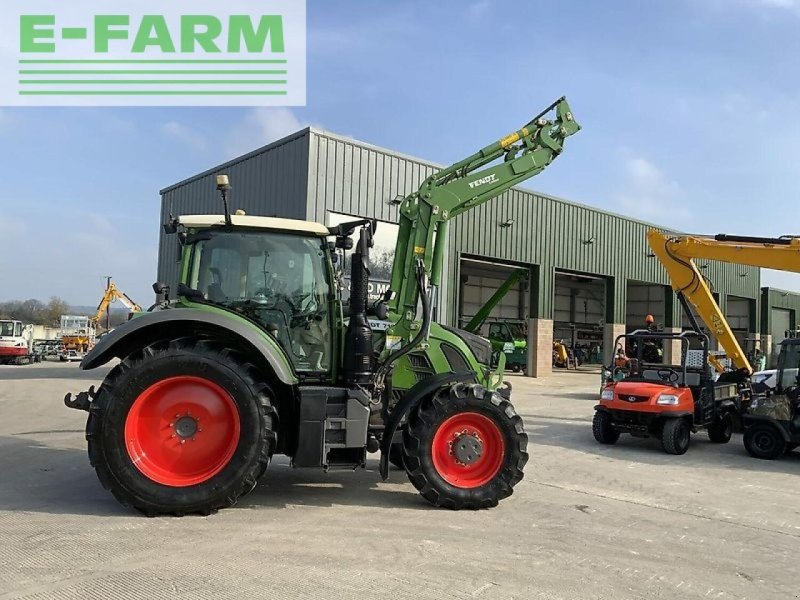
[{"x": 148, "y": 52}]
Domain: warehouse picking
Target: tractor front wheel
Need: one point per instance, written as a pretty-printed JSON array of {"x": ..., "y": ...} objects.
[
  {"x": 181, "y": 427},
  {"x": 465, "y": 448}
]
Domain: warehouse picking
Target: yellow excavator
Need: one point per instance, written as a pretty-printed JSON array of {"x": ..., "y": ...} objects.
[
  {"x": 111, "y": 294},
  {"x": 772, "y": 419}
]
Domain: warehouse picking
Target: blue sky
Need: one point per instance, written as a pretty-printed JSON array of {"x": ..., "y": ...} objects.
[{"x": 689, "y": 110}]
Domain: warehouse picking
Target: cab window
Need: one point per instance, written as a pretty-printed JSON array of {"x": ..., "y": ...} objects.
[{"x": 278, "y": 280}]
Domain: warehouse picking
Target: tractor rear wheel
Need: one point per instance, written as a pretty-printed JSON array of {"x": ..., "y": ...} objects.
[
  {"x": 396, "y": 455},
  {"x": 675, "y": 436},
  {"x": 184, "y": 426},
  {"x": 602, "y": 428},
  {"x": 721, "y": 430},
  {"x": 465, "y": 448},
  {"x": 764, "y": 441}
]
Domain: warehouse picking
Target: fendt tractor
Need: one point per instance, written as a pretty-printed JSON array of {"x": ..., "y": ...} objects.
[{"x": 256, "y": 355}]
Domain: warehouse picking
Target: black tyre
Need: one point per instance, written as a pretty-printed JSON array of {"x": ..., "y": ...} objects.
[
  {"x": 465, "y": 448},
  {"x": 602, "y": 428},
  {"x": 721, "y": 430},
  {"x": 675, "y": 436},
  {"x": 764, "y": 441},
  {"x": 396, "y": 455},
  {"x": 215, "y": 435},
  {"x": 515, "y": 368}
]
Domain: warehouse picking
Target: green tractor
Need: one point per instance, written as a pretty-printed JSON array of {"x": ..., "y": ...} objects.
[
  {"x": 256, "y": 355},
  {"x": 509, "y": 338}
]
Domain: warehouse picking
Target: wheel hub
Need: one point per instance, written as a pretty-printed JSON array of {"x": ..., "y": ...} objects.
[
  {"x": 186, "y": 426},
  {"x": 467, "y": 448}
]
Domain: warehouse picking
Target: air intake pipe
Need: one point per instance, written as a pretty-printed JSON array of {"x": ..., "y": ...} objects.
[{"x": 358, "y": 344}]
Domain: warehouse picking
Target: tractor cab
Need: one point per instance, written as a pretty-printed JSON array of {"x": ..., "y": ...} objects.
[
  {"x": 772, "y": 422},
  {"x": 274, "y": 272},
  {"x": 650, "y": 399}
]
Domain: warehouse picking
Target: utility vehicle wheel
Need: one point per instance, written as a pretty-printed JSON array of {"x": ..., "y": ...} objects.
[
  {"x": 764, "y": 441},
  {"x": 675, "y": 436},
  {"x": 721, "y": 430},
  {"x": 181, "y": 427},
  {"x": 515, "y": 368},
  {"x": 396, "y": 455},
  {"x": 602, "y": 428},
  {"x": 465, "y": 448}
]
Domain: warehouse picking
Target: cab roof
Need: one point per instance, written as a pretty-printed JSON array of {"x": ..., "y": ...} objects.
[{"x": 273, "y": 223}]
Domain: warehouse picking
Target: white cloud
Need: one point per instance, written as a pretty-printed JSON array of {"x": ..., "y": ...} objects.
[
  {"x": 100, "y": 223},
  {"x": 184, "y": 134},
  {"x": 647, "y": 193},
  {"x": 262, "y": 126}
]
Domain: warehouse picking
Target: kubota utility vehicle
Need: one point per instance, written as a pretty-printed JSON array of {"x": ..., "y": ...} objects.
[
  {"x": 666, "y": 401},
  {"x": 256, "y": 355}
]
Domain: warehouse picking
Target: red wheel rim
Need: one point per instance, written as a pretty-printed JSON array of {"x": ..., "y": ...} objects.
[
  {"x": 485, "y": 467},
  {"x": 182, "y": 431}
]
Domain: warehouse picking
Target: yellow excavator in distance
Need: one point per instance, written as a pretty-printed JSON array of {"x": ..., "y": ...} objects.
[
  {"x": 111, "y": 294},
  {"x": 678, "y": 252},
  {"x": 772, "y": 418}
]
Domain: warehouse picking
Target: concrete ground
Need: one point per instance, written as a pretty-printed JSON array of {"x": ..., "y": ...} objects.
[{"x": 588, "y": 521}]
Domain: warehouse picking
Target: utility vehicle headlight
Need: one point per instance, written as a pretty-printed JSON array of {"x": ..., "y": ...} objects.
[
  {"x": 607, "y": 395},
  {"x": 668, "y": 399}
]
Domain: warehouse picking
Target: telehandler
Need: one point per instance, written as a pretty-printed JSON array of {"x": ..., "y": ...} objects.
[{"x": 255, "y": 356}]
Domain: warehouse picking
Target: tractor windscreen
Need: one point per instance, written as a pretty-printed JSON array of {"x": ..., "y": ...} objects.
[{"x": 278, "y": 280}]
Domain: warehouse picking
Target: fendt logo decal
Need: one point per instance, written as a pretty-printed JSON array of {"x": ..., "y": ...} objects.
[
  {"x": 483, "y": 181},
  {"x": 151, "y": 52}
]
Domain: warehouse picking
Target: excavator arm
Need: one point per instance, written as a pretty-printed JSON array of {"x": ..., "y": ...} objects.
[
  {"x": 677, "y": 254},
  {"x": 113, "y": 293},
  {"x": 425, "y": 214}
]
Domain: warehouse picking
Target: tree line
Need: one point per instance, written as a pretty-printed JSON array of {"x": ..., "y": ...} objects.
[{"x": 35, "y": 311}]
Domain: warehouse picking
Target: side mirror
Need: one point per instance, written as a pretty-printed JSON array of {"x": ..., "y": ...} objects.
[{"x": 161, "y": 289}]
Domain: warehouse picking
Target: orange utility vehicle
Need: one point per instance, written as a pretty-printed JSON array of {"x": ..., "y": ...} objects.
[{"x": 669, "y": 402}]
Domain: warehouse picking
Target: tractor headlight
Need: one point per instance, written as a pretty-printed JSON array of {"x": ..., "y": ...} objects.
[
  {"x": 668, "y": 399},
  {"x": 607, "y": 395}
]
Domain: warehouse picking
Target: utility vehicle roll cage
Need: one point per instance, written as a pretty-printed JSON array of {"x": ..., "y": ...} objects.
[{"x": 645, "y": 334}]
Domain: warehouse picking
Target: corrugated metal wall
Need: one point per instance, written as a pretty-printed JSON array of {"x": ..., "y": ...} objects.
[
  {"x": 557, "y": 234},
  {"x": 312, "y": 172},
  {"x": 774, "y": 298},
  {"x": 271, "y": 181}
]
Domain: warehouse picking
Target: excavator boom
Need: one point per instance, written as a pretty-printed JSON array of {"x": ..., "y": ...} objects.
[
  {"x": 113, "y": 293},
  {"x": 677, "y": 254}
]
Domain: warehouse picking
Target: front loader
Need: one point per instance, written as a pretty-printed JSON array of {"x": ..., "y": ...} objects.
[{"x": 257, "y": 355}]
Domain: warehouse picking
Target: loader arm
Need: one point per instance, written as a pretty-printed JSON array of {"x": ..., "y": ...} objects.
[
  {"x": 425, "y": 214},
  {"x": 480, "y": 317},
  {"x": 677, "y": 254}
]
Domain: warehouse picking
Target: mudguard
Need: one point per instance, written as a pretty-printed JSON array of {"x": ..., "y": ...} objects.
[
  {"x": 414, "y": 396},
  {"x": 749, "y": 420},
  {"x": 127, "y": 337}
]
